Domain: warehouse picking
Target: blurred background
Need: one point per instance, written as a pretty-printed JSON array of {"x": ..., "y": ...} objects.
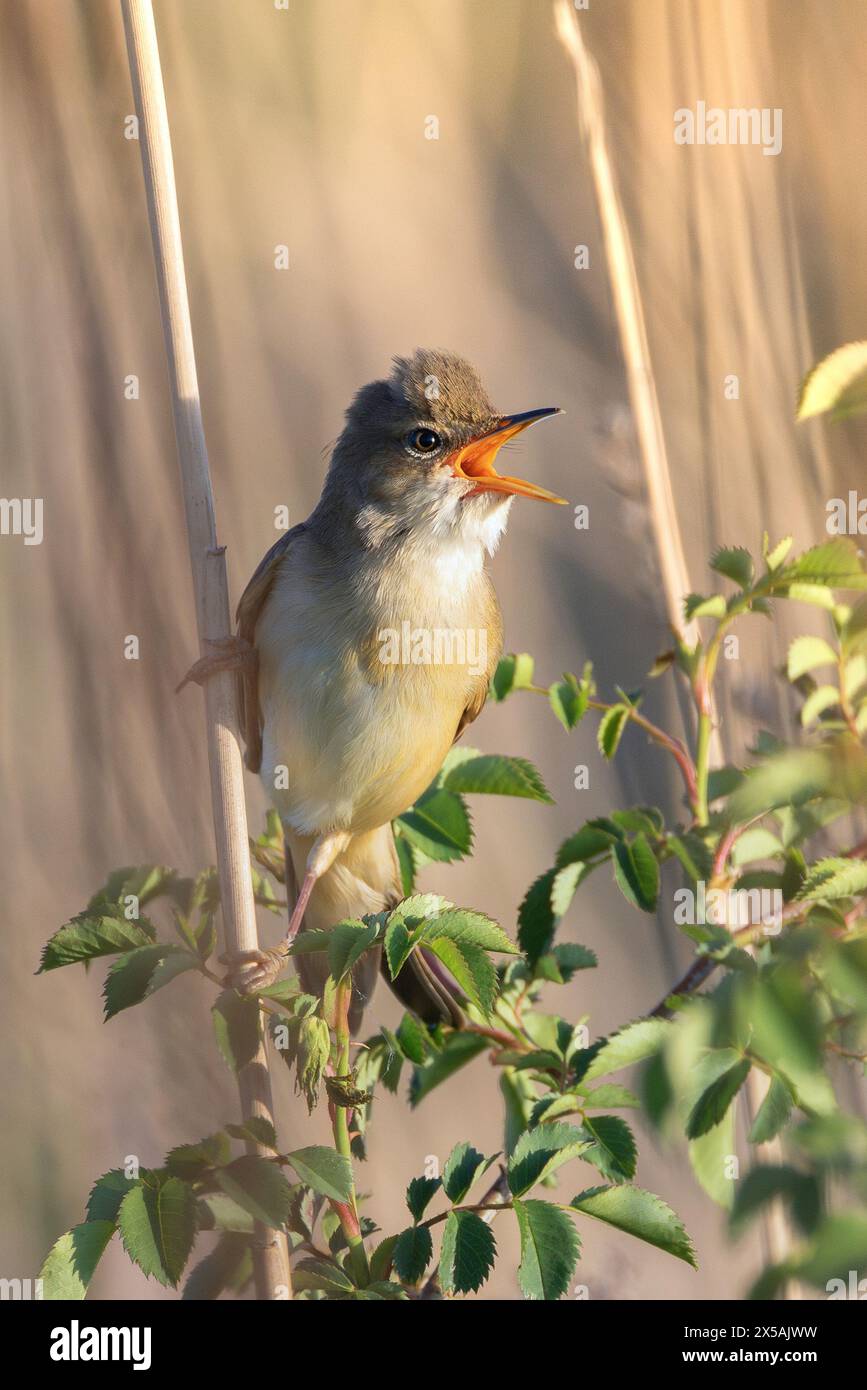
[{"x": 306, "y": 128}]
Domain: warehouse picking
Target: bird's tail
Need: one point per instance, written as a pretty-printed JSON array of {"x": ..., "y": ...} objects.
[{"x": 365, "y": 878}]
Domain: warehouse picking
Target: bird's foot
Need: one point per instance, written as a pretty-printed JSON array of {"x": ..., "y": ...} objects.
[
  {"x": 224, "y": 654},
  {"x": 251, "y": 971}
]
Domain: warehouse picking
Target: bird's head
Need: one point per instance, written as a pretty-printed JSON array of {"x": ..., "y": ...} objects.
[{"x": 417, "y": 454}]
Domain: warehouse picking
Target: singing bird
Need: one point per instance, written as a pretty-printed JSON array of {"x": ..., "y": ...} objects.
[{"x": 345, "y": 726}]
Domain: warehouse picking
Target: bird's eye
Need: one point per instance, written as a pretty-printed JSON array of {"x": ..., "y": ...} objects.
[{"x": 423, "y": 441}]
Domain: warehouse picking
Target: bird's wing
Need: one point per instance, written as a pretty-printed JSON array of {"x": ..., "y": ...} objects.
[
  {"x": 249, "y": 611},
  {"x": 493, "y": 622}
]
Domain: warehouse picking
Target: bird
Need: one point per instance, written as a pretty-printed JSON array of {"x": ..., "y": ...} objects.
[{"x": 344, "y": 725}]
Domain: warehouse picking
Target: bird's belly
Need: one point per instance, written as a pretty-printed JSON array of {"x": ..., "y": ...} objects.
[{"x": 343, "y": 752}]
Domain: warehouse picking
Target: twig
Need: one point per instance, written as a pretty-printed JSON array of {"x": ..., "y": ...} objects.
[{"x": 270, "y": 1256}]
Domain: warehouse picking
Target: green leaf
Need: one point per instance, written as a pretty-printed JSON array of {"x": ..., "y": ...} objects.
[
  {"x": 549, "y": 1249},
  {"x": 569, "y": 701},
  {"x": 71, "y": 1262},
  {"x": 382, "y": 1258},
  {"x": 591, "y": 840},
  {"x": 322, "y": 1275},
  {"x": 835, "y": 878},
  {"x": 468, "y": 928},
  {"x": 85, "y": 938},
  {"x": 711, "y": 1107},
  {"x": 640, "y": 1214},
  {"x": 419, "y": 1193},
  {"x": 219, "y": 1270},
  {"x": 700, "y": 606},
  {"x": 466, "y": 770},
  {"x": 141, "y": 972},
  {"x": 806, "y": 653},
  {"x": 191, "y": 1160},
  {"x": 258, "y": 1129},
  {"x": 536, "y": 920},
  {"x": 735, "y": 563},
  {"x": 325, "y": 1170},
  {"x": 613, "y": 1151},
  {"x": 439, "y": 825},
  {"x": 835, "y": 563},
  {"x": 107, "y": 1194},
  {"x": 348, "y": 942},
  {"x": 467, "y": 1254},
  {"x": 773, "y": 1112},
  {"x": 633, "y": 1043},
  {"x": 710, "y": 1156},
  {"x": 158, "y": 1226},
  {"x": 540, "y": 1152},
  {"x": 258, "y": 1186},
  {"x": 610, "y": 1095},
  {"x": 764, "y": 1183},
  {"x": 611, "y": 727},
  {"x": 463, "y": 1167},
  {"x": 636, "y": 873},
  {"x": 143, "y": 881},
  {"x": 412, "y": 1253},
  {"x": 404, "y": 924},
  {"x": 237, "y": 1028},
  {"x": 514, "y": 672},
  {"x": 837, "y": 384},
  {"x": 757, "y": 843},
  {"x": 471, "y": 968}
]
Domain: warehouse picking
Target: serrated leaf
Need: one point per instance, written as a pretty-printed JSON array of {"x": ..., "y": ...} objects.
[
  {"x": 834, "y": 878},
  {"x": 404, "y": 927},
  {"x": 323, "y": 1169},
  {"x": 611, "y": 727},
  {"x": 838, "y": 383},
  {"x": 702, "y": 606},
  {"x": 468, "y": 928},
  {"x": 494, "y": 774},
  {"x": 158, "y": 1226},
  {"x": 328, "y": 1278},
  {"x": 191, "y": 1160},
  {"x": 773, "y": 1112},
  {"x": 775, "y": 557},
  {"x": 514, "y": 672},
  {"x": 139, "y": 973},
  {"x": 463, "y": 1167},
  {"x": 467, "y": 1253},
  {"x": 471, "y": 968},
  {"x": 86, "y": 938},
  {"x": 419, "y": 1193},
  {"x": 569, "y": 701},
  {"x": 71, "y": 1262},
  {"x": 412, "y": 1253},
  {"x": 258, "y": 1186},
  {"x": 823, "y": 698},
  {"x": 711, "y": 1107},
  {"x": 633, "y": 1043},
  {"x": 613, "y": 1151},
  {"x": 439, "y": 825},
  {"x": 611, "y": 1096},
  {"x": 106, "y": 1195},
  {"x": 835, "y": 564},
  {"x": 639, "y": 1213},
  {"x": 540, "y": 1152},
  {"x": 636, "y": 873},
  {"x": 348, "y": 942},
  {"x": 735, "y": 563},
  {"x": 550, "y": 1247}
]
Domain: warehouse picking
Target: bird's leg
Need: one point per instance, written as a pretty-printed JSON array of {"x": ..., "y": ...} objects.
[
  {"x": 253, "y": 970},
  {"x": 224, "y": 654}
]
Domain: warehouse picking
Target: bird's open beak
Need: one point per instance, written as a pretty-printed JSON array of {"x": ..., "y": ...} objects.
[{"x": 476, "y": 459}]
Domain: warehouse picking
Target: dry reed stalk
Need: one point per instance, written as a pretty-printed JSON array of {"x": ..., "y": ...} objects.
[
  {"x": 207, "y": 558},
  {"x": 671, "y": 556}
]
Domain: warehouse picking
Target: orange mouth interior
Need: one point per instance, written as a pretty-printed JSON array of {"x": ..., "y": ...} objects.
[{"x": 475, "y": 461}]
